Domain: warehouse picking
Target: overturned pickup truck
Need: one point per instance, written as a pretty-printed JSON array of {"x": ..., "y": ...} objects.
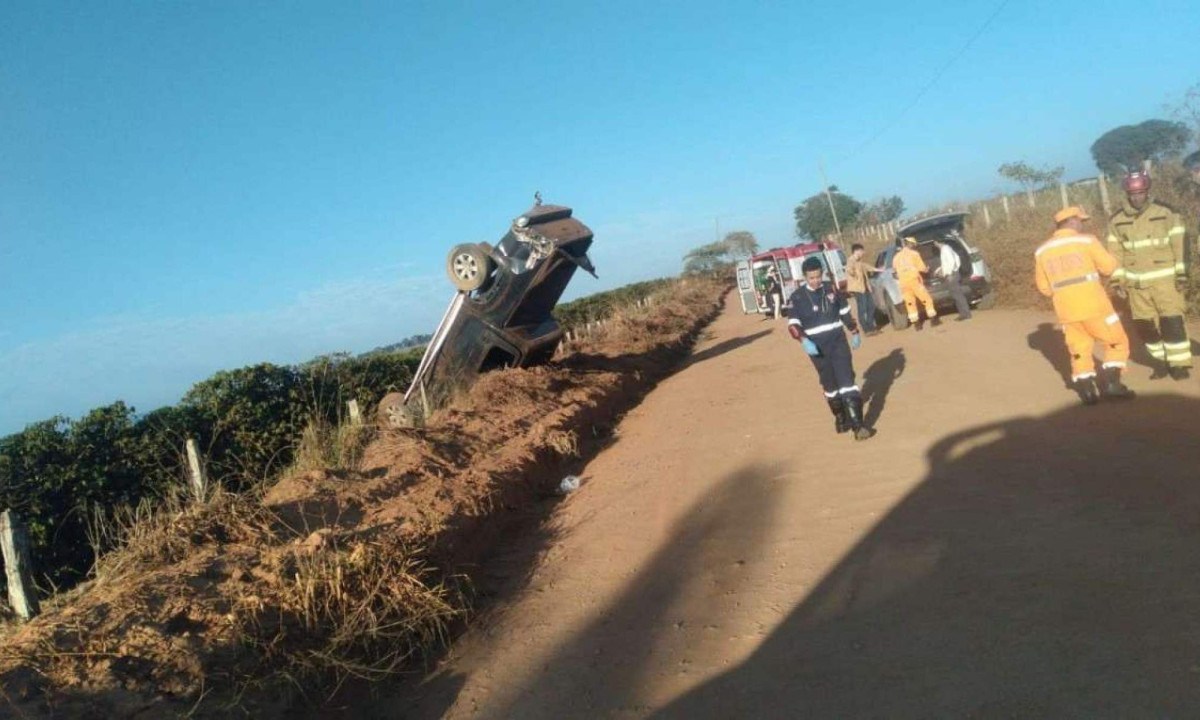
[{"x": 501, "y": 315}]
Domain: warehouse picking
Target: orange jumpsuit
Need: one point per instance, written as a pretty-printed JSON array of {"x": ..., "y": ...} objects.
[
  {"x": 1068, "y": 267},
  {"x": 909, "y": 266}
]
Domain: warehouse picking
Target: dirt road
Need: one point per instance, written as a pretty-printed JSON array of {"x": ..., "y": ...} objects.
[{"x": 996, "y": 551}]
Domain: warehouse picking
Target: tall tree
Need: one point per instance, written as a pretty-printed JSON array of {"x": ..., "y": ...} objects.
[
  {"x": 814, "y": 220},
  {"x": 885, "y": 209},
  {"x": 1029, "y": 177},
  {"x": 709, "y": 258},
  {"x": 740, "y": 244},
  {"x": 1127, "y": 147}
]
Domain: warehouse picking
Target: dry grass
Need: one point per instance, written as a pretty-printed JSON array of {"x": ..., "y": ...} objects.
[
  {"x": 323, "y": 446},
  {"x": 364, "y": 612}
]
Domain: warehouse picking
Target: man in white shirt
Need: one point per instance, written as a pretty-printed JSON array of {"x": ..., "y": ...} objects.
[{"x": 950, "y": 269}]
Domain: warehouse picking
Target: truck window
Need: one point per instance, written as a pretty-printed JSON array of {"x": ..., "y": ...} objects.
[{"x": 785, "y": 270}]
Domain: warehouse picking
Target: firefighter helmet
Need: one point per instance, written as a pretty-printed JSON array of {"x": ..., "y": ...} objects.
[{"x": 1136, "y": 182}]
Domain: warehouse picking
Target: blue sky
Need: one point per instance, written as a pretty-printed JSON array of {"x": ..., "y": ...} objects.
[{"x": 187, "y": 187}]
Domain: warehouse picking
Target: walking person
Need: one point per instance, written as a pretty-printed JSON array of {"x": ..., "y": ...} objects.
[
  {"x": 857, "y": 283},
  {"x": 950, "y": 268},
  {"x": 1146, "y": 238},
  {"x": 1068, "y": 268},
  {"x": 910, "y": 272},
  {"x": 819, "y": 318}
]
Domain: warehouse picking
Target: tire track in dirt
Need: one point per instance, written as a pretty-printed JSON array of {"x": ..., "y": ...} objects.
[{"x": 995, "y": 550}]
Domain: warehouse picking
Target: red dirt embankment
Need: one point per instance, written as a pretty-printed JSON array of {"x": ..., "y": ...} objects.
[{"x": 259, "y": 603}]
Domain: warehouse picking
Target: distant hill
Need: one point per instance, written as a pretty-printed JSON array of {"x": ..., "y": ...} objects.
[{"x": 405, "y": 344}]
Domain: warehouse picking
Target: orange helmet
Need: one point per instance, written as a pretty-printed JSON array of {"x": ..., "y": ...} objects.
[{"x": 1136, "y": 182}]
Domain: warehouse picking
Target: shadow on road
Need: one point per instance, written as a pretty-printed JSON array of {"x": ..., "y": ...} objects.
[
  {"x": 1048, "y": 340},
  {"x": 1045, "y": 567},
  {"x": 601, "y": 667},
  {"x": 877, "y": 383},
  {"x": 723, "y": 347}
]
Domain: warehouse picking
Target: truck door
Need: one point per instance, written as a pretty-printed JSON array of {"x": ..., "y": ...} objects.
[
  {"x": 835, "y": 262},
  {"x": 745, "y": 283}
]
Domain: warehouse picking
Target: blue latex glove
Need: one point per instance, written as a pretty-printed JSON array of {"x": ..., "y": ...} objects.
[
  {"x": 856, "y": 340},
  {"x": 810, "y": 347}
]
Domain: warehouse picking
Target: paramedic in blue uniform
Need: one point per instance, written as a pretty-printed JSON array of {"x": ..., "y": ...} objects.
[{"x": 819, "y": 318}]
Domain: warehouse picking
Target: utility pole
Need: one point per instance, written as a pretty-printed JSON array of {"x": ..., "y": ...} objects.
[{"x": 829, "y": 197}]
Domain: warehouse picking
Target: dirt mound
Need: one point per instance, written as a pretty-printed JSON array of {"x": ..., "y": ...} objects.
[{"x": 252, "y": 603}]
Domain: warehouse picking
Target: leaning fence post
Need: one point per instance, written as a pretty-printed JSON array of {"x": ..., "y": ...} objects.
[
  {"x": 1104, "y": 194},
  {"x": 196, "y": 473},
  {"x": 1007, "y": 212},
  {"x": 14, "y": 545},
  {"x": 355, "y": 413},
  {"x": 1062, "y": 190},
  {"x": 987, "y": 215}
]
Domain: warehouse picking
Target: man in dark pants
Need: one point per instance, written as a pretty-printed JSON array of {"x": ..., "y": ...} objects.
[
  {"x": 774, "y": 293},
  {"x": 950, "y": 268},
  {"x": 857, "y": 284},
  {"x": 818, "y": 318}
]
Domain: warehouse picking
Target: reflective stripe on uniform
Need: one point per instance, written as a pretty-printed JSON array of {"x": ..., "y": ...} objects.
[
  {"x": 1112, "y": 239},
  {"x": 1112, "y": 319},
  {"x": 1113, "y": 364},
  {"x": 1083, "y": 376},
  {"x": 831, "y": 395},
  {"x": 1150, "y": 274},
  {"x": 1179, "y": 351},
  {"x": 1061, "y": 242},
  {"x": 848, "y": 390},
  {"x": 794, "y": 321},
  {"x": 1090, "y": 277},
  {"x": 824, "y": 328},
  {"x": 844, "y": 311},
  {"x": 1118, "y": 273},
  {"x": 1148, "y": 242},
  {"x": 1177, "y": 230},
  {"x": 1157, "y": 351},
  {"x": 1180, "y": 269}
]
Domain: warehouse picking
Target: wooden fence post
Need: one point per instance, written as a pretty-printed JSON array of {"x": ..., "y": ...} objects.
[
  {"x": 1007, "y": 212},
  {"x": 355, "y": 414},
  {"x": 987, "y": 216},
  {"x": 1062, "y": 191},
  {"x": 1032, "y": 201},
  {"x": 14, "y": 545},
  {"x": 196, "y": 473},
  {"x": 1104, "y": 194}
]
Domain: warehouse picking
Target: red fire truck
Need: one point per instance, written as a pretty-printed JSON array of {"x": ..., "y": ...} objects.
[{"x": 752, "y": 273}]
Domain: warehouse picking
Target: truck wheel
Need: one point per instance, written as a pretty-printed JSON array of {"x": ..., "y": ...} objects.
[
  {"x": 392, "y": 412},
  {"x": 897, "y": 316},
  {"x": 987, "y": 302},
  {"x": 468, "y": 267}
]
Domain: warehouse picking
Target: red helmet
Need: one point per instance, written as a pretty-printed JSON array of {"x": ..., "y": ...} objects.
[{"x": 1136, "y": 182}]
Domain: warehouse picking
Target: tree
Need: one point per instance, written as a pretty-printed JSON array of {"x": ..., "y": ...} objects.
[
  {"x": 1187, "y": 109},
  {"x": 740, "y": 244},
  {"x": 1127, "y": 147},
  {"x": 710, "y": 258},
  {"x": 1029, "y": 177},
  {"x": 883, "y": 210},
  {"x": 814, "y": 219}
]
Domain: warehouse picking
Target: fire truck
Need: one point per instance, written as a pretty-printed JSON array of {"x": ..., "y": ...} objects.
[{"x": 752, "y": 273}]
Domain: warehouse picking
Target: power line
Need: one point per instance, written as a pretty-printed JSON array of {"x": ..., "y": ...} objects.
[{"x": 929, "y": 86}]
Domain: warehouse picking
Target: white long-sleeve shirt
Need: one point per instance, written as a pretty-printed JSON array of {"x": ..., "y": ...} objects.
[{"x": 950, "y": 261}]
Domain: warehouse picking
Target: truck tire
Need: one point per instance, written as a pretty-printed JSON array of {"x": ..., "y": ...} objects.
[
  {"x": 469, "y": 266},
  {"x": 897, "y": 316},
  {"x": 393, "y": 414}
]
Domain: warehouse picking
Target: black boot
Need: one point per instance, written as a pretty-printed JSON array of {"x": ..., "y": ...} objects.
[
  {"x": 1086, "y": 388},
  {"x": 1179, "y": 373},
  {"x": 936, "y": 321},
  {"x": 854, "y": 409},
  {"x": 841, "y": 422},
  {"x": 1112, "y": 387},
  {"x": 1159, "y": 371}
]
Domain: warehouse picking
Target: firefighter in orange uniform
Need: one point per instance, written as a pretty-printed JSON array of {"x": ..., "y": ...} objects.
[
  {"x": 909, "y": 273},
  {"x": 1068, "y": 268}
]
